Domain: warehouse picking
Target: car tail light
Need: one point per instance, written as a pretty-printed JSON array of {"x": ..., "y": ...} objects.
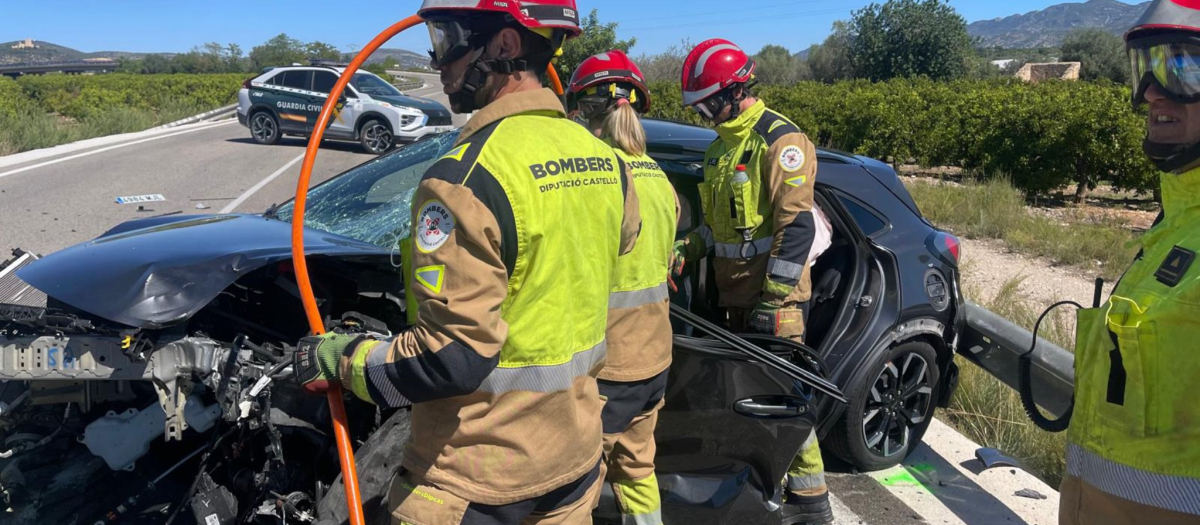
[
  {"x": 246, "y": 84},
  {"x": 945, "y": 246}
]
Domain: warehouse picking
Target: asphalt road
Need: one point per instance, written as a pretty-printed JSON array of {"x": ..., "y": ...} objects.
[
  {"x": 56, "y": 198},
  {"x": 53, "y": 202}
]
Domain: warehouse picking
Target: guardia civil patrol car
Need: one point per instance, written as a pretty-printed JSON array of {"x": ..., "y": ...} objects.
[{"x": 286, "y": 101}]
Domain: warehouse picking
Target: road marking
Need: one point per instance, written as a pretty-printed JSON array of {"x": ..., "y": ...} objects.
[
  {"x": 242, "y": 198},
  {"x": 109, "y": 148}
]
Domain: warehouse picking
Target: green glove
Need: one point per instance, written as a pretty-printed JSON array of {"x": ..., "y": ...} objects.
[
  {"x": 765, "y": 318},
  {"x": 318, "y": 359},
  {"x": 678, "y": 260}
]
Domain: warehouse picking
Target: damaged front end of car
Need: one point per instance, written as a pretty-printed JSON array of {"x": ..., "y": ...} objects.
[{"x": 147, "y": 370}]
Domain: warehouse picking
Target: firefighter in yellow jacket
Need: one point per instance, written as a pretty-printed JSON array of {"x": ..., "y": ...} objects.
[
  {"x": 1133, "y": 452},
  {"x": 609, "y": 92},
  {"x": 509, "y": 337},
  {"x": 757, "y": 197}
]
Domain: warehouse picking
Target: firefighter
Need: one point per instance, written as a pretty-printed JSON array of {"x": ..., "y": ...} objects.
[
  {"x": 1133, "y": 452},
  {"x": 757, "y": 198},
  {"x": 501, "y": 364},
  {"x": 609, "y": 93}
]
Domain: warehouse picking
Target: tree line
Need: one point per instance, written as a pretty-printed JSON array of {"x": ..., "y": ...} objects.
[{"x": 213, "y": 57}]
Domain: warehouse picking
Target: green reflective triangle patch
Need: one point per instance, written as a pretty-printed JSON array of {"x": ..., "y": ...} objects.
[{"x": 431, "y": 277}]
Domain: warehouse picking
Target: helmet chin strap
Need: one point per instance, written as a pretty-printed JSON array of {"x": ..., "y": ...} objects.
[
  {"x": 1172, "y": 158},
  {"x": 470, "y": 97}
]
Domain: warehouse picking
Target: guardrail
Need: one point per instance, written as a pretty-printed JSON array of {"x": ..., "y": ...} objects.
[{"x": 995, "y": 344}]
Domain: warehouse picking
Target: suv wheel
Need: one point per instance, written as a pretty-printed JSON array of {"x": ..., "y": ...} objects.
[
  {"x": 264, "y": 128},
  {"x": 891, "y": 406},
  {"x": 376, "y": 137}
]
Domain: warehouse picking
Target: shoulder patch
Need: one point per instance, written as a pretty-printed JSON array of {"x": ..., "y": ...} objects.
[
  {"x": 435, "y": 223},
  {"x": 773, "y": 126},
  {"x": 791, "y": 159}
]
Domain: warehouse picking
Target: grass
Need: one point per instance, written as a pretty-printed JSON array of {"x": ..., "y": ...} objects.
[
  {"x": 990, "y": 413},
  {"x": 994, "y": 209},
  {"x": 32, "y": 129}
]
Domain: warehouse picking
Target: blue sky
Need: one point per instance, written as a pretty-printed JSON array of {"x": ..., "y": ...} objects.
[{"x": 174, "y": 26}]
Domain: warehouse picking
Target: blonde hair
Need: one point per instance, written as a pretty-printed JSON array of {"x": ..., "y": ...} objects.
[{"x": 623, "y": 129}]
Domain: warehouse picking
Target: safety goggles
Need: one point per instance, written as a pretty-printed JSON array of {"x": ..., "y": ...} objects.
[
  {"x": 1171, "y": 63},
  {"x": 596, "y": 101},
  {"x": 710, "y": 107}
]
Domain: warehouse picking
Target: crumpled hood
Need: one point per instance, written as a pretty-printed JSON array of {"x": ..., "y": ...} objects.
[
  {"x": 159, "y": 272},
  {"x": 423, "y": 104}
]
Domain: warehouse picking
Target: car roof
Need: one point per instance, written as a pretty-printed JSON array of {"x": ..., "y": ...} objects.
[{"x": 670, "y": 137}]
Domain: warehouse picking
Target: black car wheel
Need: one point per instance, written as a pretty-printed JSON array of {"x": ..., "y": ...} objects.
[
  {"x": 892, "y": 405},
  {"x": 264, "y": 128},
  {"x": 376, "y": 137}
]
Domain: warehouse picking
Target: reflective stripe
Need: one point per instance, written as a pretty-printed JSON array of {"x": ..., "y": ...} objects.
[
  {"x": 635, "y": 298},
  {"x": 708, "y": 53},
  {"x": 1173, "y": 493},
  {"x": 809, "y": 482},
  {"x": 785, "y": 269},
  {"x": 734, "y": 251},
  {"x": 376, "y": 368},
  {"x": 653, "y": 518},
  {"x": 549, "y": 378},
  {"x": 692, "y": 97}
]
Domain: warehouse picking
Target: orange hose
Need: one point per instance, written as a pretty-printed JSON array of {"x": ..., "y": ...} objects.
[
  {"x": 336, "y": 409},
  {"x": 555, "y": 82}
]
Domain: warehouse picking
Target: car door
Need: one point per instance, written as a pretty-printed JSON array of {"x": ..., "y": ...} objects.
[
  {"x": 727, "y": 432},
  {"x": 294, "y": 98},
  {"x": 342, "y": 123}
]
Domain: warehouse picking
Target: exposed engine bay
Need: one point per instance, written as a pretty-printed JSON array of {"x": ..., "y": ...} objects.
[{"x": 191, "y": 422}]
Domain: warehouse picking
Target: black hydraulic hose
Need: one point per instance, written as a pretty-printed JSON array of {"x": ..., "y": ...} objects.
[
  {"x": 1025, "y": 381},
  {"x": 725, "y": 336}
]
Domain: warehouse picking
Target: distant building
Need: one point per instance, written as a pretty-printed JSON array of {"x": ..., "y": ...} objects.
[
  {"x": 26, "y": 44},
  {"x": 1049, "y": 71}
]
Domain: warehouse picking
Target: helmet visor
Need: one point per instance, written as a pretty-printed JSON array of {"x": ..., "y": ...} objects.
[
  {"x": 710, "y": 107},
  {"x": 449, "y": 39},
  {"x": 1174, "y": 67}
]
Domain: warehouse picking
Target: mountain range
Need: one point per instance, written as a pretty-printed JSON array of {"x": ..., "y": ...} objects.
[
  {"x": 1046, "y": 28},
  {"x": 17, "y": 52}
]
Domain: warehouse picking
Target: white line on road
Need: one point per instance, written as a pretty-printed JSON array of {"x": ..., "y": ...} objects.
[
  {"x": 109, "y": 148},
  {"x": 242, "y": 198}
]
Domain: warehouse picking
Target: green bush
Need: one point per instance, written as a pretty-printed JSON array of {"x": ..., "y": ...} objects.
[
  {"x": 44, "y": 111},
  {"x": 1041, "y": 136},
  {"x": 80, "y": 96}
]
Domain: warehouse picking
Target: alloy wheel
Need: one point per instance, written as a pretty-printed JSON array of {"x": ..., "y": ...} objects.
[
  {"x": 263, "y": 128},
  {"x": 899, "y": 400},
  {"x": 378, "y": 137}
]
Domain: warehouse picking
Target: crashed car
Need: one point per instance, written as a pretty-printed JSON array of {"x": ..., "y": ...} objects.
[{"x": 148, "y": 368}]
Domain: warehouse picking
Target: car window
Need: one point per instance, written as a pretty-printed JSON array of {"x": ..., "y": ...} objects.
[
  {"x": 323, "y": 81},
  {"x": 372, "y": 202},
  {"x": 373, "y": 85},
  {"x": 868, "y": 221},
  {"x": 297, "y": 79}
]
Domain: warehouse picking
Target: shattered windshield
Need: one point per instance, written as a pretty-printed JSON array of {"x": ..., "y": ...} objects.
[{"x": 373, "y": 201}]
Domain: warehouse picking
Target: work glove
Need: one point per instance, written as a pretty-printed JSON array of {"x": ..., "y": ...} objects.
[
  {"x": 319, "y": 358},
  {"x": 765, "y": 318},
  {"x": 678, "y": 260}
]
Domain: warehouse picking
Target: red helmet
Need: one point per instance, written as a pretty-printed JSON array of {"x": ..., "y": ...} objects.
[
  {"x": 611, "y": 67},
  {"x": 712, "y": 66},
  {"x": 533, "y": 14},
  {"x": 1167, "y": 15}
]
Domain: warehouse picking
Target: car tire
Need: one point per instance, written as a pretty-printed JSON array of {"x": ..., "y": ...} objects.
[
  {"x": 376, "y": 136},
  {"x": 264, "y": 128},
  {"x": 895, "y": 392}
]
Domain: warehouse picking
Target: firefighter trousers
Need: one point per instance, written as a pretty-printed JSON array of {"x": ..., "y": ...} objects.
[
  {"x": 415, "y": 501},
  {"x": 630, "y": 415}
]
